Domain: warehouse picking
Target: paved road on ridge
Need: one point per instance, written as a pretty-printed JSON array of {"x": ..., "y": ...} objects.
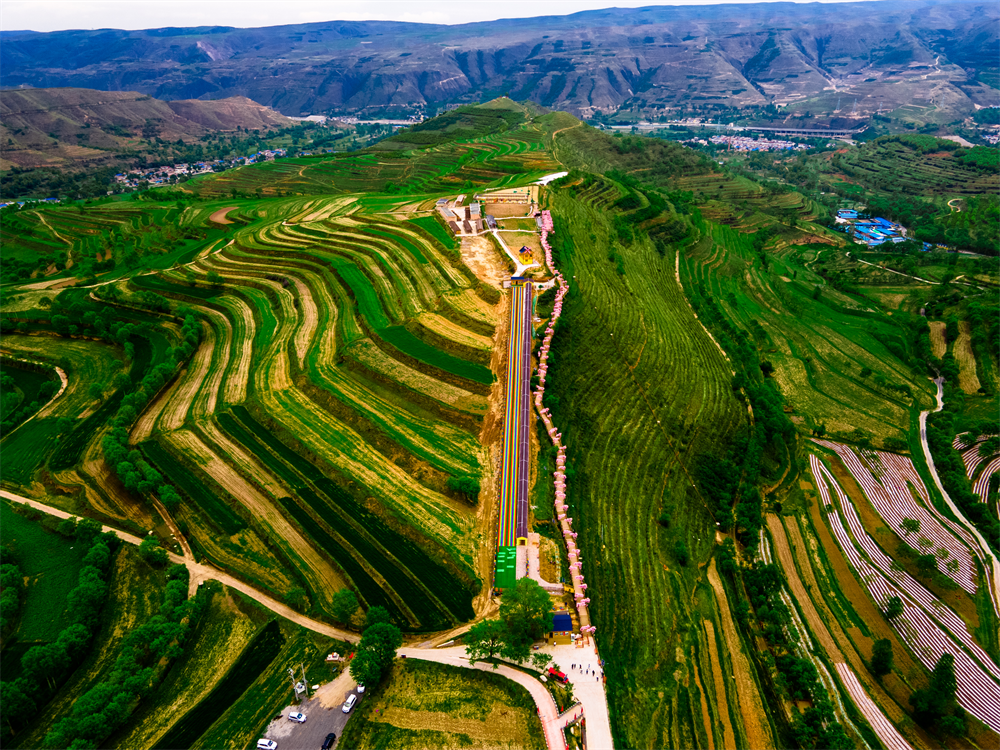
[{"x": 991, "y": 558}]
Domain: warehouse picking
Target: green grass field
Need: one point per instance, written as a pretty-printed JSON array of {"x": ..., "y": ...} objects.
[
  {"x": 426, "y": 705},
  {"x": 50, "y": 564}
]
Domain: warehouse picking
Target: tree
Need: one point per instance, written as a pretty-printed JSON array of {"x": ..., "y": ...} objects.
[
  {"x": 467, "y": 486},
  {"x": 377, "y": 649},
  {"x": 936, "y": 704},
  {"x": 151, "y": 551},
  {"x": 882, "y": 658},
  {"x": 15, "y": 704},
  {"x": 894, "y": 608},
  {"x": 910, "y": 525},
  {"x": 485, "y": 640},
  {"x": 526, "y": 610},
  {"x": 376, "y": 615},
  {"x": 927, "y": 564},
  {"x": 343, "y": 605},
  {"x": 364, "y": 669}
]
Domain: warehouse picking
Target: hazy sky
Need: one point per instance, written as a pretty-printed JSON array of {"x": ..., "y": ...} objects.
[{"x": 51, "y": 15}]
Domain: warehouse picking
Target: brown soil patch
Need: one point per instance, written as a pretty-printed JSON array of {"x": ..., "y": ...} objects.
[
  {"x": 505, "y": 210},
  {"x": 721, "y": 701},
  {"x": 219, "y": 217},
  {"x": 968, "y": 378},
  {"x": 939, "y": 345},
  {"x": 480, "y": 255},
  {"x": 500, "y": 724},
  {"x": 751, "y": 707}
]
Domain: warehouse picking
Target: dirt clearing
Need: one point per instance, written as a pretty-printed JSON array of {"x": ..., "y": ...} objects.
[
  {"x": 219, "y": 217},
  {"x": 480, "y": 255},
  {"x": 968, "y": 378},
  {"x": 939, "y": 345}
]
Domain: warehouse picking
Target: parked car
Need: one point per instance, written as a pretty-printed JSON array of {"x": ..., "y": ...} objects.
[
  {"x": 328, "y": 742},
  {"x": 349, "y": 703},
  {"x": 267, "y": 745},
  {"x": 361, "y": 689},
  {"x": 297, "y": 717}
]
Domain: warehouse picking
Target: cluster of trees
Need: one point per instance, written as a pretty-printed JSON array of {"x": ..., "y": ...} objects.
[
  {"x": 379, "y": 643},
  {"x": 816, "y": 728},
  {"x": 11, "y": 588},
  {"x": 143, "y": 657},
  {"x": 135, "y": 473},
  {"x": 935, "y": 706},
  {"x": 525, "y": 617},
  {"x": 467, "y": 487},
  {"x": 13, "y": 409},
  {"x": 46, "y": 666}
]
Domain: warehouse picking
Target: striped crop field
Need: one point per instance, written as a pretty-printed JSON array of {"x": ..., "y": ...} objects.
[
  {"x": 927, "y": 626},
  {"x": 640, "y": 390},
  {"x": 818, "y": 347},
  {"x": 981, "y": 462},
  {"x": 321, "y": 414},
  {"x": 887, "y": 479}
]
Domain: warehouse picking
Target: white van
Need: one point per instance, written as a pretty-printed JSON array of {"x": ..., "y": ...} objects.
[{"x": 349, "y": 703}]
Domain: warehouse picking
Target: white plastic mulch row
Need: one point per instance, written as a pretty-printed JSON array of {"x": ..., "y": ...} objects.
[
  {"x": 983, "y": 482},
  {"x": 891, "y": 496},
  {"x": 978, "y": 689},
  {"x": 890, "y": 736}
]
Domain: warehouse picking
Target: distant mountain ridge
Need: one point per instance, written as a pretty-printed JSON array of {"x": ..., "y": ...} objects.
[
  {"x": 54, "y": 127},
  {"x": 817, "y": 56}
]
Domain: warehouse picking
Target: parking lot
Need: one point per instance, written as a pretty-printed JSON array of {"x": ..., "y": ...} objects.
[{"x": 323, "y": 715}]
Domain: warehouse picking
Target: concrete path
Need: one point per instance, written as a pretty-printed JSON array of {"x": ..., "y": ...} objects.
[
  {"x": 520, "y": 268},
  {"x": 587, "y": 688},
  {"x": 991, "y": 561}
]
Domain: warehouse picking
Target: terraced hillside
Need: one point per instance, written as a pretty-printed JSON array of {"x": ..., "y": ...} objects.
[
  {"x": 500, "y": 146},
  {"x": 321, "y": 408},
  {"x": 921, "y": 165}
]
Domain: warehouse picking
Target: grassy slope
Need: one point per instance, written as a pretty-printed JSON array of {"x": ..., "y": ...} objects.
[
  {"x": 641, "y": 389},
  {"x": 426, "y": 705}
]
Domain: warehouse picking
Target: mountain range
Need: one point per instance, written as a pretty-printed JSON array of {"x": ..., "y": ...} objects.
[
  {"x": 942, "y": 59},
  {"x": 67, "y": 126}
]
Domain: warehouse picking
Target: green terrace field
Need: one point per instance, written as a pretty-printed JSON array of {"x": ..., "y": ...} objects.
[
  {"x": 442, "y": 164},
  {"x": 818, "y": 346},
  {"x": 920, "y": 165},
  {"x": 317, "y": 353},
  {"x": 428, "y": 705},
  {"x": 640, "y": 392}
]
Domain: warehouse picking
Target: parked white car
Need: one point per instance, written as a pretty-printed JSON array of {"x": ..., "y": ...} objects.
[
  {"x": 349, "y": 703},
  {"x": 267, "y": 745},
  {"x": 361, "y": 689},
  {"x": 297, "y": 717}
]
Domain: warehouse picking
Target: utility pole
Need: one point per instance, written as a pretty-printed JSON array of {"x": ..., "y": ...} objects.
[
  {"x": 291, "y": 674},
  {"x": 305, "y": 682}
]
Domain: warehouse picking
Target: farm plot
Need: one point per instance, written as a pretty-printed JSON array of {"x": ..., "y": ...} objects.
[
  {"x": 426, "y": 705},
  {"x": 635, "y": 383},
  {"x": 927, "y": 626},
  {"x": 50, "y": 564},
  {"x": 319, "y": 323},
  {"x": 818, "y": 348},
  {"x": 887, "y": 479},
  {"x": 981, "y": 463}
]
